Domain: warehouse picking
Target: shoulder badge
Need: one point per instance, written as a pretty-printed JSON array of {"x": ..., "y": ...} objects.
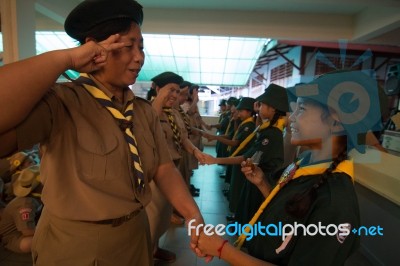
[
  {"x": 265, "y": 142},
  {"x": 246, "y": 129}
]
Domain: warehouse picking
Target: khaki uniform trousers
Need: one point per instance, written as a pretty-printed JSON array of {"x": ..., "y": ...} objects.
[
  {"x": 159, "y": 211},
  {"x": 60, "y": 242}
]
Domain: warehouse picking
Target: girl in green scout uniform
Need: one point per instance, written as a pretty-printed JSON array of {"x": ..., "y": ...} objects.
[
  {"x": 223, "y": 122},
  {"x": 273, "y": 105},
  {"x": 266, "y": 138},
  {"x": 316, "y": 191},
  {"x": 246, "y": 127},
  {"x": 226, "y": 127}
]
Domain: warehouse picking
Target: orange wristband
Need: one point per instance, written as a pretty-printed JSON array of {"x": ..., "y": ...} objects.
[{"x": 220, "y": 248}]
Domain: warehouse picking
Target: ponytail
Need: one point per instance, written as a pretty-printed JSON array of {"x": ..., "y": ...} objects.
[{"x": 277, "y": 115}]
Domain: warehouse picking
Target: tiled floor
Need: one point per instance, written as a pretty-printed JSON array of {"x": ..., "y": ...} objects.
[{"x": 213, "y": 206}]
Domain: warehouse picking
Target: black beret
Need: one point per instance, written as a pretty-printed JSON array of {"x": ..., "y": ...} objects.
[
  {"x": 91, "y": 13},
  {"x": 222, "y": 102},
  {"x": 185, "y": 84},
  {"x": 232, "y": 101},
  {"x": 246, "y": 103},
  {"x": 275, "y": 96},
  {"x": 167, "y": 77}
]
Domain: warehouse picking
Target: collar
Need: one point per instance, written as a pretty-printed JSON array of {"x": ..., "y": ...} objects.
[
  {"x": 128, "y": 93},
  {"x": 345, "y": 166}
]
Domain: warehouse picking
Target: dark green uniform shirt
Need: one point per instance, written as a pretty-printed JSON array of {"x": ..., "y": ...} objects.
[
  {"x": 270, "y": 142},
  {"x": 336, "y": 203},
  {"x": 237, "y": 178},
  {"x": 220, "y": 147}
]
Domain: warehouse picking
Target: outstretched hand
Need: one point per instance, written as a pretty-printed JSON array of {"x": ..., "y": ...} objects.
[
  {"x": 208, "y": 136},
  {"x": 210, "y": 244},
  {"x": 200, "y": 156},
  {"x": 193, "y": 224},
  {"x": 208, "y": 159},
  {"x": 91, "y": 56},
  {"x": 252, "y": 172}
]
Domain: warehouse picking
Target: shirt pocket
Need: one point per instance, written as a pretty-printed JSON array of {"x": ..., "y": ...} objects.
[
  {"x": 147, "y": 150},
  {"x": 97, "y": 155}
]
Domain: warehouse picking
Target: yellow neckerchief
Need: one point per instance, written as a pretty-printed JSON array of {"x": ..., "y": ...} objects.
[
  {"x": 221, "y": 116},
  {"x": 292, "y": 172},
  {"x": 124, "y": 120},
  {"x": 279, "y": 124},
  {"x": 249, "y": 119},
  {"x": 231, "y": 121}
]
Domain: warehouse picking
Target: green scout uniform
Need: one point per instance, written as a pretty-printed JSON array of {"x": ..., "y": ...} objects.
[
  {"x": 20, "y": 214},
  {"x": 270, "y": 142},
  {"x": 220, "y": 147},
  {"x": 336, "y": 203},
  {"x": 237, "y": 177},
  {"x": 88, "y": 178},
  {"x": 231, "y": 132}
]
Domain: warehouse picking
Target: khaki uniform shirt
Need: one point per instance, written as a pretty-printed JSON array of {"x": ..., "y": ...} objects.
[
  {"x": 86, "y": 165},
  {"x": 169, "y": 135}
]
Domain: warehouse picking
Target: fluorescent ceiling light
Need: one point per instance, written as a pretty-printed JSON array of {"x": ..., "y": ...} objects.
[{"x": 205, "y": 60}]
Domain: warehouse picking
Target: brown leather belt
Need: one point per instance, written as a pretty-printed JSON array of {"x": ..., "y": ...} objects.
[{"x": 117, "y": 221}]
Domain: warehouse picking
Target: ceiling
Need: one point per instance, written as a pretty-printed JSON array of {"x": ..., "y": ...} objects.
[
  {"x": 365, "y": 21},
  {"x": 357, "y": 21}
]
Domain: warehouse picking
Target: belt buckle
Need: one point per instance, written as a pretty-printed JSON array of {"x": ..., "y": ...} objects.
[{"x": 118, "y": 221}]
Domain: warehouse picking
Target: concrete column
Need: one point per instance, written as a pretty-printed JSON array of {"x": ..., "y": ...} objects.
[{"x": 18, "y": 29}]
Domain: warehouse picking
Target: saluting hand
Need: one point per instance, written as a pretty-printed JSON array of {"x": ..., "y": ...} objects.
[{"x": 91, "y": 55}]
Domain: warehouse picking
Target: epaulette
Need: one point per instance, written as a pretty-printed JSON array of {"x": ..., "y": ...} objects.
[{"x": 142, "y": 99}]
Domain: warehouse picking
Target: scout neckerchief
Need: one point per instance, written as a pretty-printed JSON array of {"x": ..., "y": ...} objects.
[
  {"x": 174, "y": 127},
  {"x": 249, "y": 119},
  {"x": 292, "y": 172},
  {"x": 221, "y": 116},
  {"x": 185, "y": 120},
  {"x": 279, "y": 124},
  {"x": 231, "y": 121},
  {"x": 124, "y": 121}
]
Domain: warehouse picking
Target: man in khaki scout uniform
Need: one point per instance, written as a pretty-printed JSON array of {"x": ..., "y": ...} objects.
[{"x": 101, "y": 145}]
